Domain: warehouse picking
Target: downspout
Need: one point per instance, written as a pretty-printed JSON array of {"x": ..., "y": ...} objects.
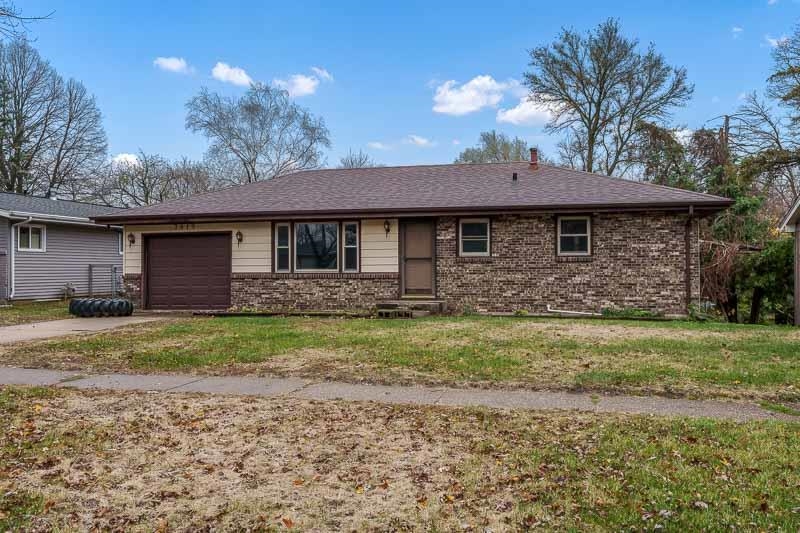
[
  {"x": 688, "y": 258},
  {"x": 13, "y": 256}
]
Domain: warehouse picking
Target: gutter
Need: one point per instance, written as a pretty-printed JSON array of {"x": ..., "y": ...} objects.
[
  {"x": 59, "y": 219},
  {"x": 14, "y": 255}
]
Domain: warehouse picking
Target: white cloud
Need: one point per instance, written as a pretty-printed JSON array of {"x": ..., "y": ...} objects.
[
  {"x": 298, "y": 84},
  {"x": 228, "y": 74},
  {"x": 377, "y": 145},
  {"x": 480, "y": 92},
  {"x": 525, "y": 113},
  {"x": 125, "y": 159},
  {"x": 775, "y": 41},
  {"x": 173, "y": 64},
  {"x": 416, "y": 140},
  {"x": 772, "y": 2},
  {"x": 322, "y": 73},
  {"x": 456, "y": 142},
  {"x": 736, "y": 31}
]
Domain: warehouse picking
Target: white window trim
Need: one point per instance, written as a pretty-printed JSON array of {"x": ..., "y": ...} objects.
[
  {"x": 345, "y": 246},
  {"x": 338, "y": 240},
  {"x": 121, "y": 243},
  {"x": 43, "y": 230},
  {"x": 588, "y": 236},
  {"x": 289, "y": 246},
  {"x": 461, "y": 251}
]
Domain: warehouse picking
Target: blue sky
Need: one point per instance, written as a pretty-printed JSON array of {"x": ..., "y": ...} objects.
[{"x": 410, "y": 82}]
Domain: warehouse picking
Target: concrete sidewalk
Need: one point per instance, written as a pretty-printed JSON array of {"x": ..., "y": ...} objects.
[
  {"x": 68, "y": 326},
  {"x": 328, "y": 390}
]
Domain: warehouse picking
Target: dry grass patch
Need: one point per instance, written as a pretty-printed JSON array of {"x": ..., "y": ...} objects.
[{"x": 144, "y": 462}]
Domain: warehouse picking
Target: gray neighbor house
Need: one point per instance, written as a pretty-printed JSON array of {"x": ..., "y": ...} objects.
[{"x": 46, "y": 244}]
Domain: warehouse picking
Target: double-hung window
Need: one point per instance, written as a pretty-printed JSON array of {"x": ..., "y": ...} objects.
[
  {"x": 574, "y": 235},
  {"x": 350, "y": 246},
  {"x": 474, "y": 237},
  {"x": 30, "y": 238},
  {"x": 316, "y": 246},
  {"x": 283, "y": 248}
]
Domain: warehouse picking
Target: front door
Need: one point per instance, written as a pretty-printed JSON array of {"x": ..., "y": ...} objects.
[{"x": 417, "y": 241}]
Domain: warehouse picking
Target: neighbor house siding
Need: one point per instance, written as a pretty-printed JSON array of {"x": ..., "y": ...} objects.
[
  {"x": 69, "y": 252},
  {"x": 253, "y": 254},
  {"x": 637, "y": 261},
  {"x": 5, "y": 257}
]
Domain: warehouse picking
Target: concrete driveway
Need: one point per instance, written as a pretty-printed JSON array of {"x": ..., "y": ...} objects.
[{"x": 69, "y": 326}]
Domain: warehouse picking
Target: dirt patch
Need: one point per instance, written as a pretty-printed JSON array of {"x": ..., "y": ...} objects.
[
  {"x": 244, "y": 463},
  {"x": 604, "y": 332}
]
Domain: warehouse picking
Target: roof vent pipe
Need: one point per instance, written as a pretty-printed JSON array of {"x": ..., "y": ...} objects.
[{"x": 534, "y": 158}]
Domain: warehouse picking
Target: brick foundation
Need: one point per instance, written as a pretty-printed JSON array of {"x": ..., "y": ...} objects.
[
  {"x": 638, "y": 261},
  {"x": 312, "y": 292}
]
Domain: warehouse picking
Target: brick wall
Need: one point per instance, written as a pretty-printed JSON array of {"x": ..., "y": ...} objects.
[
  {"x": 312, "y": 292},
  {"x": 638, "y": 261}
]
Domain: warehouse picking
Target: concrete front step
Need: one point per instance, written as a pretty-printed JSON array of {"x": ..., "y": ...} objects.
[
  {"x": 401, "y": 313},
  {"x": 430, "y": 306}
]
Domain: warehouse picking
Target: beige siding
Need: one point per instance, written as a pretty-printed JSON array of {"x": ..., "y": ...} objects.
[
  {"x": 252, "y": 255},
  {"x": 379, "y": 251}
]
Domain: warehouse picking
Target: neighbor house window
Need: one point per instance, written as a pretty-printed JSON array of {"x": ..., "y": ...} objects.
[
  {"x": 120, "y": 245},
  {"x": 283, "y": 248},
  {"x": 350, "y": 246},
  {"x": 316, "y": 246},
  {"x": 474, "y": 237},
  {"x": 574, "y": 236},
  {"x": 30, "y": 238}
]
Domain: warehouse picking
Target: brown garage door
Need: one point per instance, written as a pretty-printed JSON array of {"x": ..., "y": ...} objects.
[{"x": 188, "y": 271}]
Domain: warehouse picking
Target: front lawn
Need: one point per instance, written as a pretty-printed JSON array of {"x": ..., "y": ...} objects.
[
  {"x": 672, "y": 358},
  {"x": 73, "y": 460},
  {"x": 25, "y": 312}
]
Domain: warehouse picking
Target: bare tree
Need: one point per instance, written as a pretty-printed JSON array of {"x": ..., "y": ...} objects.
[
  {"x": 51, "y": 132},
  {"x": 769, "y": 147},
  {"x": 784, "y": 83},
  {"x": 599, "y": 89},
  {"x": 150, "y": 179},
  {"x": 12, "y": 23},
  {"x": 264, "y": 131},
  {"x": 496, "y": 147},
  {"x": 189, "y": 177},
  {"x": 78, "y": 148},
  {"x": 358, "y": 159},
  {"x": 140, "y": 182}
]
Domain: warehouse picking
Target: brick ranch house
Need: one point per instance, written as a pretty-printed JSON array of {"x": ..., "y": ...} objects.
[{"x": 499, "y": 237}]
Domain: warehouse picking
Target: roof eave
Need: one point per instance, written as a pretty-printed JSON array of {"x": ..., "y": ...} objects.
[{"x": 700, "y": 208}]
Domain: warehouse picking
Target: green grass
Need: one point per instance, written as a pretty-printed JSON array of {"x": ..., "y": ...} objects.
[
  {"x": 24, "y": 312},
  {"x": 684, "y": 358},
  {"x": 17, "y": 508},
  {"x": 683, "y": 475},
  {"x": 780, "y": 408}
]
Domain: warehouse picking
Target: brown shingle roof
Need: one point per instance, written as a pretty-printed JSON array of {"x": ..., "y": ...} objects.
[{"x": 420, "y": 189}]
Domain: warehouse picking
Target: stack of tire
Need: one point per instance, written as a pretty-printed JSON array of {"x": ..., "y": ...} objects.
[{"x": 97, "y": 307}]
